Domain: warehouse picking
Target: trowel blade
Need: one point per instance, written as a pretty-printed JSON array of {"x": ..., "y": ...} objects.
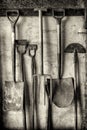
[
  {"x": 63, "y": 93},
  {"x": 13, "y": 96}
]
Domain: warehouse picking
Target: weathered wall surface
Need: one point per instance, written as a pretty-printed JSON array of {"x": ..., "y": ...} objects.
[
  {"x": 28, "y": 28},
  {"x": 38, "y": 3}
]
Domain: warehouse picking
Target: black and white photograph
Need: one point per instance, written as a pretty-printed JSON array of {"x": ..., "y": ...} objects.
[{"x": 43, "y": 64}]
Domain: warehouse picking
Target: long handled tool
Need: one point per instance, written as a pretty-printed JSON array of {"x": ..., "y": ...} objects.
[
  {"x": 13, "y": 94},
  {"x": 13, "y": 16},
  {"x": 59, "y": 16},
  {"x": 21, "y": 46},
  {"x": 32, "y": 54},
  {"x": 63, "y": 91},
  {"x": 84, "y": 114},
  {"x": 76, "y": 48},
  {"x": 76, "y": 88},
  {"x": 28, "y": 82},
  {"x": 41, "y": 94}
]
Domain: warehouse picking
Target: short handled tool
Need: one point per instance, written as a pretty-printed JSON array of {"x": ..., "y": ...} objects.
[
  {"x": 76, "y": 48},
  {"x": 63, "y": 92},
  {"x": 41, "y": 96}
]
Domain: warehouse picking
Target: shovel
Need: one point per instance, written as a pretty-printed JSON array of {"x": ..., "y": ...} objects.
[
  {"x": 63, "y": 91},
  {"x": 13, "y": 91},
  {"x": 76, "y": 48},
  {"x": 42, "y": 98}
]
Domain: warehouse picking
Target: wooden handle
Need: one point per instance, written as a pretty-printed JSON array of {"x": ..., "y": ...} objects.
[
  {"x": 59, "y": 49},
  {"x": 41, "y": 34},
  {"x": 13, "y": 16}
]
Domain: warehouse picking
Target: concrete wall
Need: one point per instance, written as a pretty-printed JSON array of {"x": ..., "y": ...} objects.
[{"x": 28, "y": 28}]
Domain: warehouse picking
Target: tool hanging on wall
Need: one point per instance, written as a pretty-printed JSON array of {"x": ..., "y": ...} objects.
[
  {"x": 41, "y": 94},
  {"x": 13, "y": 16},
  {"x": 22, "y": 46},
  {"x": 28, "y": 93},
  {"x": 77, "y": 81},
  {"x": 14, "y": 104},
  {"x": 32, "y": 54},
  {"x": 76, "y": 48},
  {"x": 59, "y": 14},
  {"x": 63, "y": 91},
  {"x": 84, "y": 32}
]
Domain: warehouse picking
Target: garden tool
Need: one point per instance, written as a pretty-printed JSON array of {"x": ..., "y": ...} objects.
[
  {"x": 76, "y": 88},
  {"x": 32, "y": 54},
  {"x": 13, "y": 16},
  {"x": 13, "y": 91},
  {"x": 42, "y": 98},
  {"x": 84, "y": 114},
  {"x": 63, "y": 91},
  {"x": 76, "y": 48},
  {"x": 50, "y": 122},
  {"x": 22, "y": 46}
]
